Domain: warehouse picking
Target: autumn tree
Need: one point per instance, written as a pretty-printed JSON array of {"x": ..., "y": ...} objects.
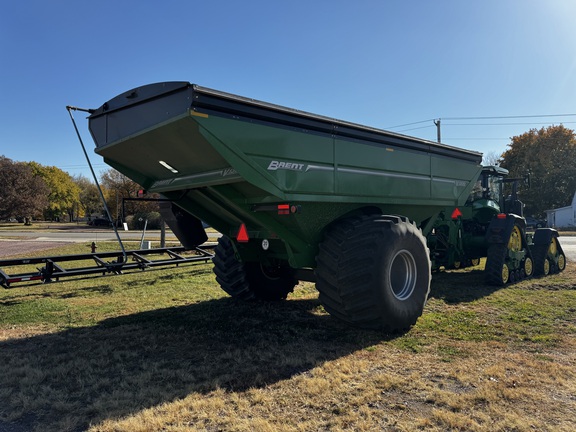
[
  {"x": 63, "y": 196},
  {"x": 117, "y": 187},
  {"x": 22, "y": 193},
  {"x": 89, "y": 199},
  {"x": 549, "y": 156}
]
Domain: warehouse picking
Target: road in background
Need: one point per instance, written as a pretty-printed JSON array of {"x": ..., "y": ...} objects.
[
  {"x": 90, "y": 236},
  {"x": 82, "y": 236},
  {"x": 568, "y": 242}
]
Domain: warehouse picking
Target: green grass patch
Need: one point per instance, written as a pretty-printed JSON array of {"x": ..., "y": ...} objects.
[{"x": 86, "y": 300}]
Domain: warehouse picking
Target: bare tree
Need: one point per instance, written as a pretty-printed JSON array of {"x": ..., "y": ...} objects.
[{"x": 491, "y": 158}]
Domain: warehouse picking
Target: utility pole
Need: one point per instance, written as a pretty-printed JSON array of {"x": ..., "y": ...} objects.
[{"x": 437, "y": 123}]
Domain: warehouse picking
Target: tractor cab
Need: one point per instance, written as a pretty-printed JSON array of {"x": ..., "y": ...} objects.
[
  {"x": 487, "y": 196},
  {"x": 490, "y": 197}
]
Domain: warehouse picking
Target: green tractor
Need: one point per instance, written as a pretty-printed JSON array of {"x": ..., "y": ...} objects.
[{"x": 492, "y": 225}]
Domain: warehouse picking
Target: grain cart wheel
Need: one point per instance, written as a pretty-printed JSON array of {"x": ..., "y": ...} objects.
[
  {"x": 251, "y": 280},
  {"x": 374, "y": 272}
]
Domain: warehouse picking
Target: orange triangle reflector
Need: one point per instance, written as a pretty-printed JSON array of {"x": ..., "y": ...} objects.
[
  {"x": 456, "y": 213},
  {"x": 242, "y": 236}
]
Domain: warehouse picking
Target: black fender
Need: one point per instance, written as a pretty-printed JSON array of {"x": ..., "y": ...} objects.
[
  {"x": 543, "y": 236},
  {"x": 501, "y": 227},
  {"x": 185, "y": 226}
]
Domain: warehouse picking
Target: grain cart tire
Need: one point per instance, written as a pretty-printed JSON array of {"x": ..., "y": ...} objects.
[
  {"x": 251, "y": 280},
  {"x": 374, "y": 272}
]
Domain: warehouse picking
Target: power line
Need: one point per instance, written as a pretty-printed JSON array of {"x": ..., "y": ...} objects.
[
  {"x": 485, "y": 118},
  {"x": 477, "y": 139},
  {"x": 409, "y": 124},
  {"x": 508, "y": 117},
  {"x": 411, "y": 129},
  {"x": 499, "y": 124}
]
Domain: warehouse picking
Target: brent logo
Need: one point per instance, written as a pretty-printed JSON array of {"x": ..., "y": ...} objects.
[{"x": 281, "y": 165}]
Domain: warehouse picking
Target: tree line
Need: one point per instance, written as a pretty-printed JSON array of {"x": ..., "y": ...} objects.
[{"x": 31, "y": 191}]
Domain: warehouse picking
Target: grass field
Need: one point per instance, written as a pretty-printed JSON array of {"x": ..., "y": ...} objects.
[{"x": 168, "y": 350}]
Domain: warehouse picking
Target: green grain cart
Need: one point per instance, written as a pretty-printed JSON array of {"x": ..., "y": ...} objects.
[{"x": 297, "y": 196}]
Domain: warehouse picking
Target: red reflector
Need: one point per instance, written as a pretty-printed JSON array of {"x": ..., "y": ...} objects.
[
  {"x": 242, "y": 236},
  {"x": 456, "y": 213},
  {"x": 283, "y": 209},
  {"x": 501, "y": 216}
]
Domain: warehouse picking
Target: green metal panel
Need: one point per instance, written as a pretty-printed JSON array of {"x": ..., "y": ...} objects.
[
  {"x": 279, "y": 160},
  {"x": 387, "y": 174}
]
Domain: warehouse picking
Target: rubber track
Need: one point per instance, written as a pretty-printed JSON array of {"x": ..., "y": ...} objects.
[
  {"x": 539, "y": 254},
  {"x": 496, "y": 258}
]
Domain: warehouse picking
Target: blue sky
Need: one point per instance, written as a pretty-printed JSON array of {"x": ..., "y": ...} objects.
[{"x": 380, "y": 63}]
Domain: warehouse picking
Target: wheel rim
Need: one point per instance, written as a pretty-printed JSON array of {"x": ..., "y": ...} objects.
[
  {"x": 515, "y": 241},
  {"x": 505, "y": 273},
  {"x": 561, "y": 262},
  {"x": 553, "y": 249},
  {"x": 528, "y": 267},
  {"x": 402, "y": 275},
  {"x": 546, "y": 267}
]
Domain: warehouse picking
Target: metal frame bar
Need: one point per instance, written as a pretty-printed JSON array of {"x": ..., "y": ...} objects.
[{"x": 54, "y": 271}]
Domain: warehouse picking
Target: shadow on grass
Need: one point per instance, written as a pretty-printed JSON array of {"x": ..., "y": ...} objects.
[
  {"x": 460, "y": 286},
  {"x": 82, "y": 376}
]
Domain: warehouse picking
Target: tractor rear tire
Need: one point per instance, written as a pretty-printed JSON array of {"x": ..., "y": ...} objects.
[
  {"x": 250, "y": 280},
  {"x": 374, "y": 272}
]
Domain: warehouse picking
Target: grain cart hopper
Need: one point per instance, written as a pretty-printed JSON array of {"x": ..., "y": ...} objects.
[
  {"x": 297, "y": 196},
  {"x": 491, "y": 225}
]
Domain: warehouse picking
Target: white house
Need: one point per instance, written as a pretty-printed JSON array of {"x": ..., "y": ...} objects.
[{"x": 564, "y": 217}]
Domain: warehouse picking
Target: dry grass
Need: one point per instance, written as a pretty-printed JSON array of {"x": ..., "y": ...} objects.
[{"x": 166, "y": 350}]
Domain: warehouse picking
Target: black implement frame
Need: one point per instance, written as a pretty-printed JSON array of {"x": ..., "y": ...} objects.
[{"x": 53, "y": 270}]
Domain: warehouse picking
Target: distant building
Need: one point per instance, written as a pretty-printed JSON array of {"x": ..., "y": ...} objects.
[{"x": 564, "y": 217}]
